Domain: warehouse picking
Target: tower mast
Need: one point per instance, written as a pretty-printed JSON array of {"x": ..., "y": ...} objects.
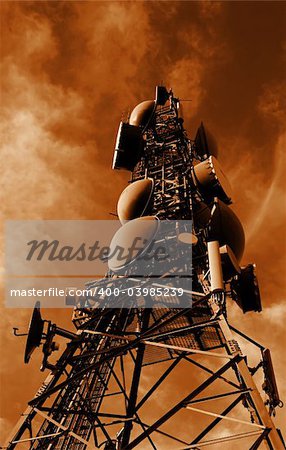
[{"x": 96, "y": 394}]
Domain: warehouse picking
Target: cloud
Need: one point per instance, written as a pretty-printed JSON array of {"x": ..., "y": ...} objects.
[
  {"x": 276, "y": 314},
  {"x": 272, "y": 102}
]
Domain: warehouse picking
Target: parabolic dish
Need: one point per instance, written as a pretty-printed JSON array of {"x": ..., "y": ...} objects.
[
  {"x": 205, "y": 142},
  {"x": 136, "y": 200},
  {"x": 226, "y": 228},
  {"x": 211, "y": 180},
  {"x": 35, "y": 332},
  {"x": 139, "y": 232},
  {"x": 142, "y": 113}
]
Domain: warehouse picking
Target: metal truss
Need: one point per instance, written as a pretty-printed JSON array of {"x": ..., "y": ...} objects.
[
  {"x": 112, "y": 388},
  {"x": 86, "y": 393}
]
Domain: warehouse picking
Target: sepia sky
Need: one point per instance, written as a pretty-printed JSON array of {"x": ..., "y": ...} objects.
[{"x": 71, "y": 69}]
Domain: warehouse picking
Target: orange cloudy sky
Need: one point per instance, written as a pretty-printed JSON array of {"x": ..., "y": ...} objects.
[{"x": 70, "y": 70}]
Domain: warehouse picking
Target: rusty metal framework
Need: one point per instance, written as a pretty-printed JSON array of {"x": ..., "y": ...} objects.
[{"x": 112, "y": 389}]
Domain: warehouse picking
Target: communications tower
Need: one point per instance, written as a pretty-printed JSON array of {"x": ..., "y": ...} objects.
[{"x": 161, "y": 368}]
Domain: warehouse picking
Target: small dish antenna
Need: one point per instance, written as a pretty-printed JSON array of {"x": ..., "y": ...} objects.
[{"x": 37, "y": 336}]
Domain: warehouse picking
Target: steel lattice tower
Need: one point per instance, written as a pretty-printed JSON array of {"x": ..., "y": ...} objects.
[{"x": 95, "y": 395}]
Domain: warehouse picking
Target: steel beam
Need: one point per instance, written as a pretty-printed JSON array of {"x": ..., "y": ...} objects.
[{"x": 182, "y": 403}]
